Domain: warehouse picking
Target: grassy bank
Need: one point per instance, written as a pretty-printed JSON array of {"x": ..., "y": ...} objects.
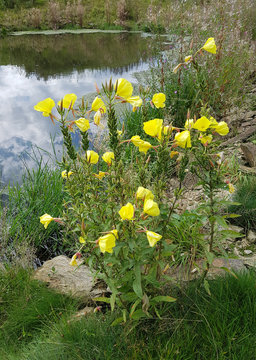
[
  {"x": 154, "y": 16},
  {"x": 198, "y": 326}
]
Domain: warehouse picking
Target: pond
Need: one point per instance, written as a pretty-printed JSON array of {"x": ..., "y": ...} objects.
[{"x": 34, "y": 67}]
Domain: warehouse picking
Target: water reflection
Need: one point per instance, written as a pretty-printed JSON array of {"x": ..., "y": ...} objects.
[{"x": 37, "y": 66}]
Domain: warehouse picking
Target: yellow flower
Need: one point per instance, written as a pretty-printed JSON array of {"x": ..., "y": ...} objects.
[
  {"x": 68, "y": 101},
  {"x": 82, "y": 240},
  {"x": 202, "y": 124},
  {"x": 123, "y": 88},
  {"x": 153, "y": 238},
  {"x": 45, "y": 220},
  {"x": 127, "y": 212},
  {"x": 108, "y": 241},
  {"x": 183, "y": 139},
  {"x": 73, "y": 261},
  {"x": 119, "y": 133},
  {"x": 92, "y": 157},
  {"x": 189, "y": 124},
  {"x": 65, "y": 175},
  {"x": 205, "y": 139},
  {"x": 187, "y": 58},
  {"x": 153, "y": 128},
  {"x": 82, "y": 124},
  {"x": 97, "y": 118},
  {"x": 159, "y": 100},
  {"x": 45, "y": 106},
  {"x": 222, "y": 128},
  {"x": 144, "y": 194},
  {"x": 210, "y": 46},
  {"x": 174, "y": 153},
  {"x": 98, "y": 104},
  {"x": 231, "y": 188},
  {"x": 135, "y": 101},
  {"x": 100, "y": 175},
  {"x": 108, "y": 156},
  {"x": 151, "y": 208},
  {"x": 213, "y": 122},
  {"x": 136, "y": 140},
  {"x": 144, "y": 146}
]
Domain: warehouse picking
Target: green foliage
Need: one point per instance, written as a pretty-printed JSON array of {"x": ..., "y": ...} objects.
[
  {"x": 245, "y": 195},
  {"x": 25, "y": 307},
  {"x": 41, "y": 191},
  {"x": 221, "y": 326}
]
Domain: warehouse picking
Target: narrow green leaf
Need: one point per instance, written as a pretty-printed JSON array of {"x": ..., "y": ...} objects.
[
  {"x": 229, "y": 271},
  {"x": 113, "y": 301},
  {"x": 207, "y": 287},
  {"x": 138, "y": 314},
  {"x": 133, "y": 308},
  {"x": 158, "y": 299},
  {"x": 117, "y": 321},
  {"x": 232, "y": 216},
  {"x": 137, "y": 282},
  {"x": 102, "y": 299}
]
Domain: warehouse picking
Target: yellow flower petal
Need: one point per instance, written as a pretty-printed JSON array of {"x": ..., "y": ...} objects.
[
  {"x": 45, "y": 220},
  {"x": 100, "y": 175},
  {"x": 174, "y": 153},
  {"x": 92, "y": 157},
  {"x": 82, "y": 124},
  {"x": 136, "y": 140},
  {"x": 98, "y": 104},
  {"x": 187, "y": 58},
  {"x": 206, "y": 139},
  {"x": 108, "y": 157},
  {"x": 175, "y": 70},
  {"x": 81, "y": 240},
  {"x": 151, "y": 208},
  {"x": 108, "y": 241},
  {"x": 159, "y": 100},
  {"x": 210, "y": 46},
  {"x": 97, "y": 118},
  {"x": 127, "y": 212},
  {"x": 153, "y": 128},
  {"x": 144, "y": 146},
  {"x": 144, "y": 194},
  {"x": 183, "y": 140},
  {"x": 202, "y": 124},
  {"x": 73, "y": 261},
  {"x": 222, "y": 128},
  {"x": 153, "y": 238},
  {"x": 45, "y": 106},
  {"x": 65, "y": 175},
  {"x": 189, "y": 124},
  {"x": 68, "y": 101},
  {"x": 135, "y": 101},
  {"x": 123, "y": 88},
  {"x": 231, "y": 188}
]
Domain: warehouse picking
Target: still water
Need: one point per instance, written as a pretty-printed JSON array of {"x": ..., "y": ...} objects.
[{"x": 34, "y": 67}]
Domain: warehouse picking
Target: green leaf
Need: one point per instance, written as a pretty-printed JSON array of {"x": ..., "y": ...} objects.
[
  {"x": 157, "y": 313},
  {"x": 221, "y": 221},
  {"x": 158, "y": 299},
  {"x": 229, "y": 271},
  {"x": 117, "y": 321},
  {"x": 113, "y": 301},
  {"x": 138, "y": 314},
  {"x": 232, "y": 216},
  {"x": 207, "y": 287},
  {"x": 102, "y": 299},
  {"x": 230, "y": 233},
  {"x": 209, "y": 256},
  {"x": 137, "y": 282},
  {"x": 133, "y": 308},
  {"x": 124, "y": 315}
]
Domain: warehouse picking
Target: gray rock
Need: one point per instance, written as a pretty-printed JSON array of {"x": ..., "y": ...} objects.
[
  {"x": 251, "y": 237},
  {"x": 75, "y": 281},
  {"x": 249, "y": 150},
  {"x": 248, "y": 252}
]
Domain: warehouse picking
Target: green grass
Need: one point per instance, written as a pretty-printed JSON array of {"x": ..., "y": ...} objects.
[
  {"x": 198, "y": 326},
  {"x": 40, "y": 192}
]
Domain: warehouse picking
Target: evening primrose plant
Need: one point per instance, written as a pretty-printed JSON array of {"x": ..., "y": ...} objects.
[{"x": 117, "y": 213}]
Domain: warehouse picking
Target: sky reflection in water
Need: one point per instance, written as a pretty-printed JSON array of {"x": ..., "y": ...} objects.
[{"x": 21, "y": 125}]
